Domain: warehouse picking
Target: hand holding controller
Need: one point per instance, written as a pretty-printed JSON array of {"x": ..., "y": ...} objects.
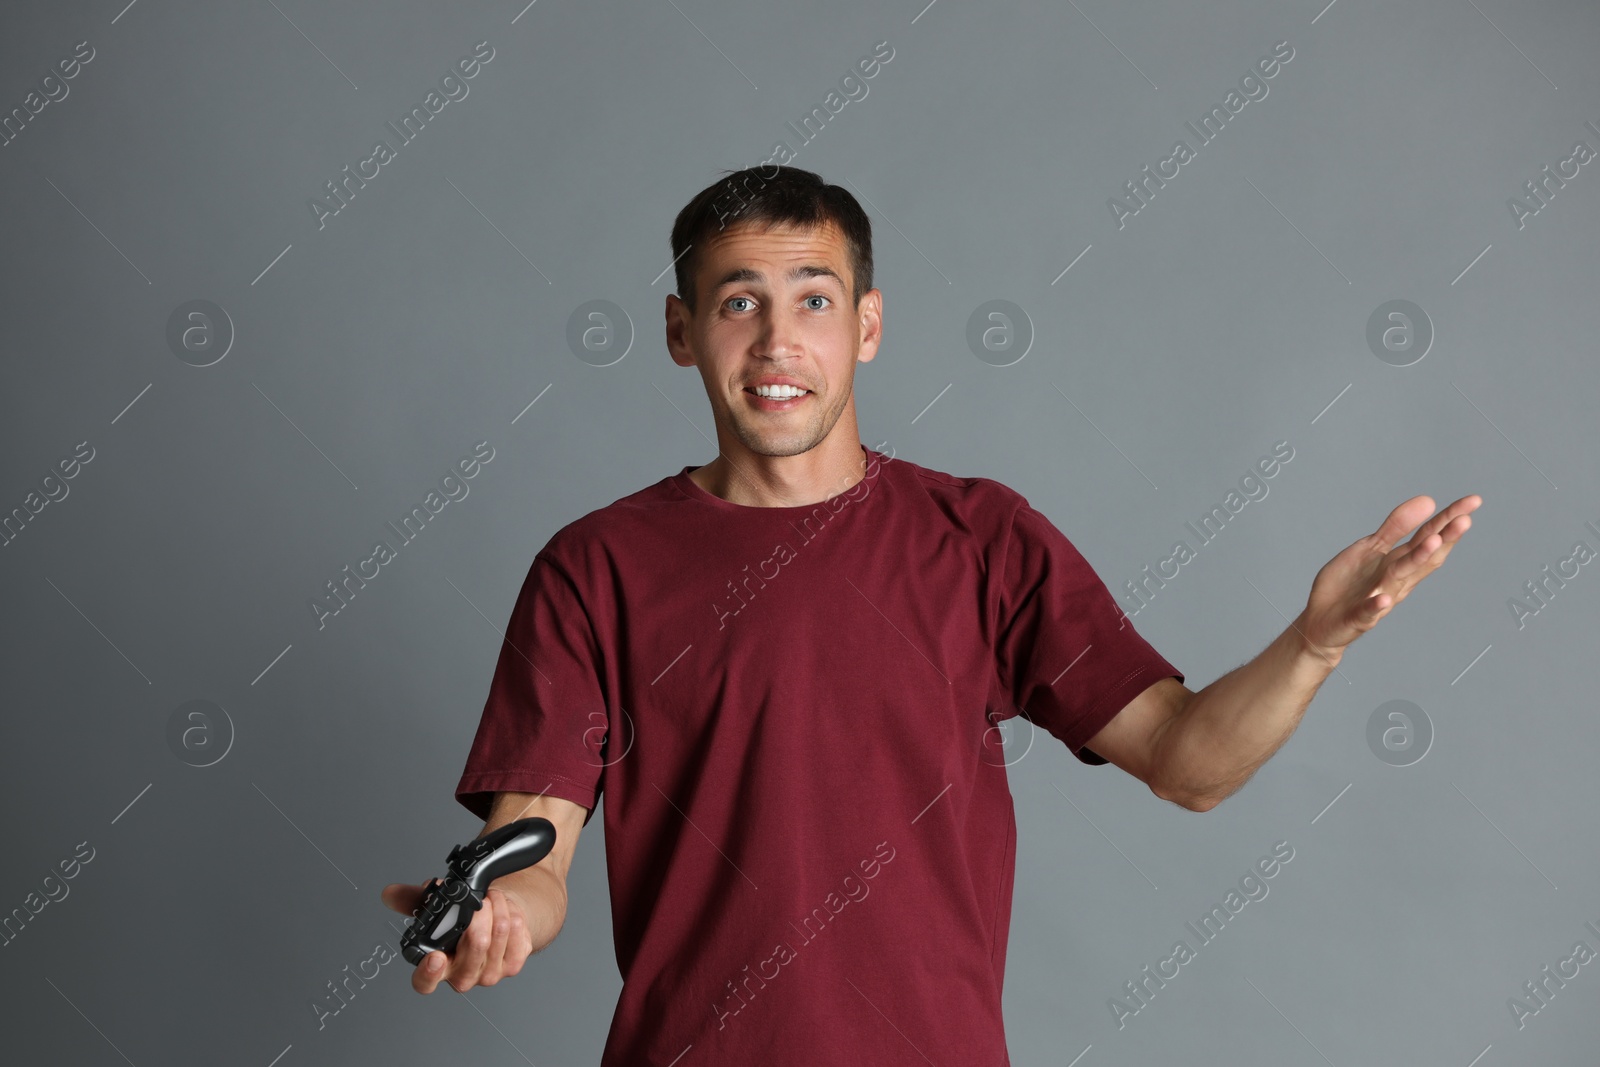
[{"x": 448, "y": 906}]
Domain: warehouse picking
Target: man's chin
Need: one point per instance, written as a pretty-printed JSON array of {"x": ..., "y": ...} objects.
[{"x": 770, "y": 444}]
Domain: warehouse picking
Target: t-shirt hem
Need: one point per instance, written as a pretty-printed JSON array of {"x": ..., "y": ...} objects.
[{"x": 476, "y": 791}]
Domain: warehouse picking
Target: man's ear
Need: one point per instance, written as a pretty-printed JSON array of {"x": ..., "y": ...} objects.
[
  {"x": 678, "y": 321},
  {"x": 869, "y": 316}
]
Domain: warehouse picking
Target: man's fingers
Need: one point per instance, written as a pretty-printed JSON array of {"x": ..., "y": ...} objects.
[
  {"x": 494, "y": 967},
  {"x": 493, "y": 946},
  {"x": 1438, "y": 523},
  {"x": 402, "y": 897},
  {"x": 1417, "y": 556},
  {"x": 472, "y": 950},
  {"x": 1418, "y": 513},
  {"x": 520, "y": 944},
  {"x": 1453, "y": 531},
  {"x": 425, "y": 978},
  {"x": 436, "y": 966},
  {"x": 1405, "y": 516},
  {"x": 1407, "y": 558}
]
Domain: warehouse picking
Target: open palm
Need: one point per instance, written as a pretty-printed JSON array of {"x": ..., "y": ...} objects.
[{"x": 1359, "y": 586}]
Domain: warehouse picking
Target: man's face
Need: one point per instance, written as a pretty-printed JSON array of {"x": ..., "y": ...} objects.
[{"x": 776, "y": 302}]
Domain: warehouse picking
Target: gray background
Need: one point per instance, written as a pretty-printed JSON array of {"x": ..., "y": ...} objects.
[{"x": 1228, "y": 315}]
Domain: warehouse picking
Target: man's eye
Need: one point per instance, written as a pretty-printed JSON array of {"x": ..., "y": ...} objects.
[
  {"x": 744, "y": 298},
  {"x": 817, "y": 297}
]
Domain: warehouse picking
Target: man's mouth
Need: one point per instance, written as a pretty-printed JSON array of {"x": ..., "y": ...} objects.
[{"x": 777, "y": 397}]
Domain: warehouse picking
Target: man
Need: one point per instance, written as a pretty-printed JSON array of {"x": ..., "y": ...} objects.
[{"x": 784, "y": 668}]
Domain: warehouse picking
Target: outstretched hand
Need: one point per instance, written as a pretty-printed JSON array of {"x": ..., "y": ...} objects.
[
  {"x": 1364, "y": 582},
  {"x": 494, "y": 945}
]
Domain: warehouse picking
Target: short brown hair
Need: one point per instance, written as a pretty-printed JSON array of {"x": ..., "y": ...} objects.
[{"x": 775, "y": 195}]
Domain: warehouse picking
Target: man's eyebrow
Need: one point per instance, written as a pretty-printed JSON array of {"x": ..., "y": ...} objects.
[{"x": 797, "y": 273}]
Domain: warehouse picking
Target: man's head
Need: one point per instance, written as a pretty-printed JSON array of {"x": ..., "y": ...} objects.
[{"x": 774, "y": 276}]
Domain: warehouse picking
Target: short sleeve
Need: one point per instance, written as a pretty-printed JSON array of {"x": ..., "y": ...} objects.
[
  {"x": 544, "y": 723},
  {"x": 1067, "y": 655}
]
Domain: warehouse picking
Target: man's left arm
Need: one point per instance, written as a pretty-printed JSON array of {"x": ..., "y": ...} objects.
[{"x": 1197, "y": 748}]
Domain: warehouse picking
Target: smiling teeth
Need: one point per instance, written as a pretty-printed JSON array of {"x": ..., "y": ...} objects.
[{"x": 779, "y": 392}]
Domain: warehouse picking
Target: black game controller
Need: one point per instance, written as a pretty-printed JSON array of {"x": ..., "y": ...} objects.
[{"x": 448, "y": 906}]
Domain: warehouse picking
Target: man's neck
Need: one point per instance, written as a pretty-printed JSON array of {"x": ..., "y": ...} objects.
[{"x": 754, "y": 483}]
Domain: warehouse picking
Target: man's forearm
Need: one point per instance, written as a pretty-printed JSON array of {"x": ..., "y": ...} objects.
[{"x": 1231, "y": 727}]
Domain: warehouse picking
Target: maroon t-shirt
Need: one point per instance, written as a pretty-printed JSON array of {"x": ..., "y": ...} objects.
[{"x": 791, "y": 712}]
